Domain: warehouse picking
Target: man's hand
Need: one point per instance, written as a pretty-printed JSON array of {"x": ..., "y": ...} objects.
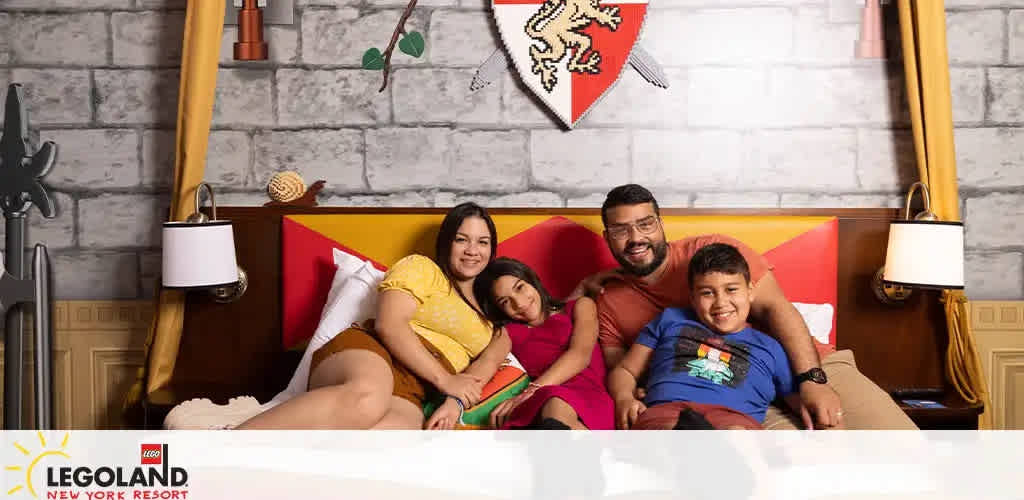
[
  {"x": 445, "y": 417},
  {"x": 592, "y": 285},
  {"x": 627, "y": 410},
  {"x": 821, "y": 402}
]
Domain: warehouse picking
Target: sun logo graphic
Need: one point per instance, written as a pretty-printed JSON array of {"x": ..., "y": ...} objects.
[{"x": 32, "y": 459}]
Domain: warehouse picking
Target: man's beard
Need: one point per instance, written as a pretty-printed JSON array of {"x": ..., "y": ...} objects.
[{"x": 658, "y": 248}]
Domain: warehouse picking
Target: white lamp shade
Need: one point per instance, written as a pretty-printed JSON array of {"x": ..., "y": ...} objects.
[
  {"x": 199, "y": 255},
  {"x": 925, "y": 254}
]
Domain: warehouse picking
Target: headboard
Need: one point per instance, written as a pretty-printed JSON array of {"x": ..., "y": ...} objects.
[{"x": 232, "y": 349}]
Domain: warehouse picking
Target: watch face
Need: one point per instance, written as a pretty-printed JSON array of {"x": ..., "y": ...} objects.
[{"x": 818, "y": 376}]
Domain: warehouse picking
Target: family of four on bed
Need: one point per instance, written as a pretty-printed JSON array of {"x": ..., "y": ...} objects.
[{"x": 663, "y": 342}]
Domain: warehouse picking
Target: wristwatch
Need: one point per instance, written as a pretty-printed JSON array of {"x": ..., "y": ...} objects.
[{"x": 816, "y": 375}]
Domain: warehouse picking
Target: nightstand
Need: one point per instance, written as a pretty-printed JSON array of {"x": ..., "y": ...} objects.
[{"x": 957, "y": 414}]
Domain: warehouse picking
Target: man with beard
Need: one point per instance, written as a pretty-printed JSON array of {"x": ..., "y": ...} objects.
[{"x": 654, "y": 276}]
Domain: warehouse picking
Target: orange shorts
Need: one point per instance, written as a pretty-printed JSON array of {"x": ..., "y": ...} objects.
[
  {"x": 407, "y": 385},
  {"x": 665, "y": 416}
]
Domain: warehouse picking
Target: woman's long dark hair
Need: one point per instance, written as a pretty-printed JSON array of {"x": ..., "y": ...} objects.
[
  {"x": 483, "y": 288},
  {"x": 446, "y": 237}
]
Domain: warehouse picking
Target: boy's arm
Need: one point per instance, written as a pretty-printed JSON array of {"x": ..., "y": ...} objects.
[
  {"x": 622, "y": 384},
  {"x": 613, "y": 355},
  {"x": 781, "y": 320}
]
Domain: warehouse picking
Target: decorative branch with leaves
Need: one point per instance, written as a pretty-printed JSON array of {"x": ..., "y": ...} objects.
[{"x": 412, "y": 43}]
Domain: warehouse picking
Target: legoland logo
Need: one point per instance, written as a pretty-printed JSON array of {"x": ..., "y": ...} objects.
[
  {"x": 32, "y": 459},
  {"x": 151, "y": 454},
  {"x": 154, "y": 479}
]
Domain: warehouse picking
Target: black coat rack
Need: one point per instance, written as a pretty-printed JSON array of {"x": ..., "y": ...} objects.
[{"x": 20, "y": 188}]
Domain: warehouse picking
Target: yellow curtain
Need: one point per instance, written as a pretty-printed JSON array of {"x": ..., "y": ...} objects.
[
  {"x": 204, "y": 26},
  {"x": 926, "y": 62}
]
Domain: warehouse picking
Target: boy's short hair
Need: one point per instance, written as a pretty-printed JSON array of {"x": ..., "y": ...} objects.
[
  {"x": 717, "y": 258},
  {"x": 627, "y": 194}
]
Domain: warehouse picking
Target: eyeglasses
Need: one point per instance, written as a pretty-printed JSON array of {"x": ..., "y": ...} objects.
[{"x": 647, "y": 225}]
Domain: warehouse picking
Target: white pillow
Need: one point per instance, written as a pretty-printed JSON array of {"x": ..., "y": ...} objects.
[
  {"x": 818, "y": 318},
  {"x": 351, "y": 299}
]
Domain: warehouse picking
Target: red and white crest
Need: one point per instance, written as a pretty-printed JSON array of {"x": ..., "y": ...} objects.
[{"x": 569, "y": 52}]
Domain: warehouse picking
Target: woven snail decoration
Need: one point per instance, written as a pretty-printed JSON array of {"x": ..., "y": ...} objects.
[{"x": 288, "y": 188}]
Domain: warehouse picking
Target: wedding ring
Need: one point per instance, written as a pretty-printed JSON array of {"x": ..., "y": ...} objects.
[{"x": 839, "y": 413}]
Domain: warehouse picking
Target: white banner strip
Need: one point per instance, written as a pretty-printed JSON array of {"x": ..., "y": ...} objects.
[{"x": 93, "y": 465}]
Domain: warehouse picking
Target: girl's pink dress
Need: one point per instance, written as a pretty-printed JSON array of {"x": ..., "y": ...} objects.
[{"x": 537, "y": 348}]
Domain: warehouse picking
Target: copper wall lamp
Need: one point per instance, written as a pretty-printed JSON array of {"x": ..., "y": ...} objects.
[{"x": 250, "y": 16}]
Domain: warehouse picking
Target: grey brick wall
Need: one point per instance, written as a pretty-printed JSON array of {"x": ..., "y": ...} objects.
[{"x": 767, "y": 108}]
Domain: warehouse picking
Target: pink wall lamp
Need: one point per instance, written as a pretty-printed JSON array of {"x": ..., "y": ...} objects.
[{"x": 872, "y": 31}]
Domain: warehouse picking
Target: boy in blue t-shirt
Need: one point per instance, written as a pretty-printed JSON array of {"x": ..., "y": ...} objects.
[{"x": 705, "y": 366}]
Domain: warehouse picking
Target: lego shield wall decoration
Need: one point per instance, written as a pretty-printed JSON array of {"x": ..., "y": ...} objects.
[{"x": 569, "y": 52}]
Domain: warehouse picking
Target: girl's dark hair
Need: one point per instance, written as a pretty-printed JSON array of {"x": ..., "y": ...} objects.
[
  {"x": 446, "y": 237},
  {"x": 483, "y": 288}
]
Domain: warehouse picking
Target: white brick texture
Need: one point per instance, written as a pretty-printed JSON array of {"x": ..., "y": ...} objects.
[
  {"x": 335, "y": 156},
  {"x": 995, "y": 220},
  {"x": 582, "y": 159},
  {"x": 79, "y": 39},
  {"x": 408, "y": 158}
]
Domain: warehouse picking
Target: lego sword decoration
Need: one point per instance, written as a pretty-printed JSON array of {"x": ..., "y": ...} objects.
[{"x": 641, "y": 61}]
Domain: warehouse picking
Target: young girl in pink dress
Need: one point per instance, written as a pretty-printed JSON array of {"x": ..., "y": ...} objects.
[{"x": 557, "y": 345}]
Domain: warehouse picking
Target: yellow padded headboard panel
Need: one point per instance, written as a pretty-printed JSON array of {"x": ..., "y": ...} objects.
[{"x": 562, "y": 249}]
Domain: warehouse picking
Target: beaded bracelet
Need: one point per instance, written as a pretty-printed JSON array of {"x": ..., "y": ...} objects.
[{"x": 462, "y": 406}]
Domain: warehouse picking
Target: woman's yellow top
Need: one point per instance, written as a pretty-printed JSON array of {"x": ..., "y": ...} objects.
[{"x": 443, "y": 319}]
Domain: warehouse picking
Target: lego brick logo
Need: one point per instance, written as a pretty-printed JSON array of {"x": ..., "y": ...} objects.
[{"x": 152, "y": 454}]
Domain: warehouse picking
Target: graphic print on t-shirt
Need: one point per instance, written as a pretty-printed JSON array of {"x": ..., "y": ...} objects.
[{"x": 711, "y": 357}]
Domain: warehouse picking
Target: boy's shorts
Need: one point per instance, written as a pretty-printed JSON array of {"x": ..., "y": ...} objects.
[{"x": 665, "y": 416}]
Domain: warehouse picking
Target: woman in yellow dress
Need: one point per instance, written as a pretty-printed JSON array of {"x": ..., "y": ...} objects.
[{"x": 428, "y": 333}]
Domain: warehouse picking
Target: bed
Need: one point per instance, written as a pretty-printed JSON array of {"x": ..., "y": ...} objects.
[{"x": 821, "y": 257}]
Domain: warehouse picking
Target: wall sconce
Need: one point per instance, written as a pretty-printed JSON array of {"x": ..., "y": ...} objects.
[
  {"x": 250, "y": 45},
  {"x": 923, "y": 252},
  {"x": 199, "y": 253},
  {"x": 872, "y": 31}
]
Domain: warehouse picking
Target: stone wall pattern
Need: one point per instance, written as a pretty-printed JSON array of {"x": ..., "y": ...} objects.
[{"x": 767, "y": 108}]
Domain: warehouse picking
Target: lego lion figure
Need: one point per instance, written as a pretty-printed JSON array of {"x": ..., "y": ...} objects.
[{"x": 557, "y": 25}]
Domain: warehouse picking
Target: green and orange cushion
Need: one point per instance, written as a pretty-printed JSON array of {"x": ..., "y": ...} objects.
[{"x": 508, "y": 382}]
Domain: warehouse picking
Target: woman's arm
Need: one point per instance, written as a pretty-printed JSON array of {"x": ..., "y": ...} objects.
[
  {"x": 395, "y": 309},
  {"x": 490, "y": 359},
  {"x": 581, "y": 345}
]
